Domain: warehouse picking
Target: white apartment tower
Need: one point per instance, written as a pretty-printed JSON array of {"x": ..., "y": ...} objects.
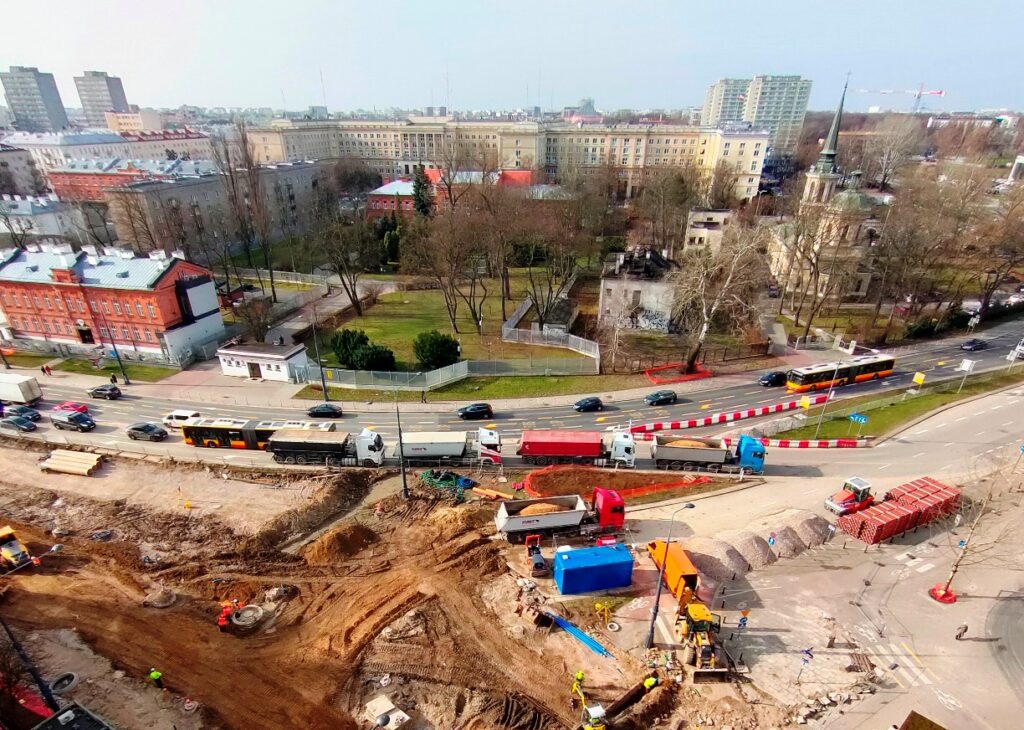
[
  {"x": 724, "y": 102},
  {"x": 100, "y": 93},
  {"x": 33, "y": 99},
  {"x": 775, "y": 103}
]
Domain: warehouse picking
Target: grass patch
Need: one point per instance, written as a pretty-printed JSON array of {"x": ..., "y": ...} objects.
[
  {"x": 143, "y": 373},
  {"x": 896, "y": 410},
  {"x": 483, "y": 388},
  {"x": 20, "y": 360}
]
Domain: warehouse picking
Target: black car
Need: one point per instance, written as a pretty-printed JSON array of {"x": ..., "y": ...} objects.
[
  {"x": 324, "y": 410},
  {"x": 773, "y": 379},
  {"x": 974, "y": 345},
  {"x": 17, "y": 423},
  {"x": 661, "y": 398},
  {"x": 72, "y": 421},
  {"x": 146, "y": 432},
  {"x": 24, "y": 411},
  {"x": 476, "y": 410},
  {"x": 588, "y": 404},
  {"x": 110, "y": 392}
]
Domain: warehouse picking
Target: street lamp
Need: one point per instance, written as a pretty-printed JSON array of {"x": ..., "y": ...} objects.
[
  {"x": 117, "y": 355},
  {"x": 832, "y": 385},
  {"x": 661, "y": 574},
  {"x": 319, "y": 364}
]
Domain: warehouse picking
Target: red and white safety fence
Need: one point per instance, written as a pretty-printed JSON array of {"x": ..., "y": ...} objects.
[
  {"x": 810, "y": 443},
  {"x": 717, "y": 418}
]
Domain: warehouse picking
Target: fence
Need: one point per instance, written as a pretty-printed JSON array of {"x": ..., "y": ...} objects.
[
  {"x": 553, "y": 339},
  {"x": 285, "y": 277}
]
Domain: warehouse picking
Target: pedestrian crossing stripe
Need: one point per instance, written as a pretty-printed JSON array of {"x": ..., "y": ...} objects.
[
  {"x": 885, "y": 655},
  {"x": 912, "y": 561}
]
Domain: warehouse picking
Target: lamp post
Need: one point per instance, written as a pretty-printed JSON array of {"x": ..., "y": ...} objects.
[
  {"x": 661, "y": 575},
  {"x": 117, "y": 355},
  {"x": 831, "y": 385},
  {"x": 320, "y": 365},
  {"x": 401, "y": 455}
]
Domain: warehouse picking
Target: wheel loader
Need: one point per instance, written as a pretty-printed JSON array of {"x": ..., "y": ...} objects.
[{"x": 698, "y": 629}]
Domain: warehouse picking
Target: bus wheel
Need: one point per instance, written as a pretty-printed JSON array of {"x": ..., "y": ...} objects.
[{"x": 210, "y": 444}]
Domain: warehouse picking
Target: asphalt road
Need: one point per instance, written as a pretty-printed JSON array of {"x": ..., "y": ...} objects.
[{"x": 113, "y": 416}]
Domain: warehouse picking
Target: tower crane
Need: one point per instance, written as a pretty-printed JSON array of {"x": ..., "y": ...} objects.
[{"x": 917, "y": 93}]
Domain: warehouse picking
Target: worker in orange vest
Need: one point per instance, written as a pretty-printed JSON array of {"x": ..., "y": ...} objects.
[{"x": 222, "y": 620}]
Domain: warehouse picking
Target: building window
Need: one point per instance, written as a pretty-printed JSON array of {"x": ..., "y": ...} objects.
[
  {"x": 138, "y": 309},
  {"x": 124, "y": 333},
  {"x": 92, "y": 306},
  {"x": 103, "y": 331},
  {"x": 152, "y": 311}
]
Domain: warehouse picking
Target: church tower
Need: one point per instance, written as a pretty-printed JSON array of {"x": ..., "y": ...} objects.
[{"x": 823, "y": 178}]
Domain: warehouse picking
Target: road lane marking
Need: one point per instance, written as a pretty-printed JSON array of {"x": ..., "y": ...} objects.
[
  {"x": 704, "y": 408},
  {"x": 962, "y": 418},
  {"x": 602, "y": 419}
]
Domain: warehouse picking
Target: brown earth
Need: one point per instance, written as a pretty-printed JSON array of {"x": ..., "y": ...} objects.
[{"x": 582, "y": 479}]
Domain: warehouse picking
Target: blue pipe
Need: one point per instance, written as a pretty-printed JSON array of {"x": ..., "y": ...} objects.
[{"x": 579, "y": 635}]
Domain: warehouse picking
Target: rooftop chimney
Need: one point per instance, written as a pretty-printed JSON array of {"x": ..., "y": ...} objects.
[
  {"x": 178, "y": 254},
  {"x": 158, "y": 255}
]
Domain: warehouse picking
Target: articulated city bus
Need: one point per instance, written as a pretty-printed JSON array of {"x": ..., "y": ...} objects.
[
  {"x": 829, "y": 374},
  {"x": 238, "y": 433}
]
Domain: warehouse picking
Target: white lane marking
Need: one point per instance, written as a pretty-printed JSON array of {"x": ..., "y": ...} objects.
[
  {"x": 924, "y": 568},
  {"x": 917, "y": 455},
  {"x": 962, "y": 418},
  {"x": 884, "y": 466}
]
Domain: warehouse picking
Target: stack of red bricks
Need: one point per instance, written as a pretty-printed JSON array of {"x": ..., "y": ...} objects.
[{"x": 907, "y": 506}]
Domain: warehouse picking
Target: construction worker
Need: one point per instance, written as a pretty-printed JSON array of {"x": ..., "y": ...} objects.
[
  {"x": 156, "y": 677},
  {"x": 579, "y": 677},
  {"x": 960, "y": 631},
  {"x": 650, "y": 683},
  {"x": 222, "y": 620}
]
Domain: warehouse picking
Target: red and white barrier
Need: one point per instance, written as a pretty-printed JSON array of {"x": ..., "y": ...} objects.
[
  {"x": 810, "y": 443},
  {"x": 717, "y": 418}
]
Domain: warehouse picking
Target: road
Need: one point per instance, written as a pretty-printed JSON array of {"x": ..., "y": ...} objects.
[{"x": 938, "y": 361}]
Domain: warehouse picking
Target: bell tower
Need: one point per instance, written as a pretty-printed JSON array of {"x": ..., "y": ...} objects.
[{"x": 823, "y": 178}]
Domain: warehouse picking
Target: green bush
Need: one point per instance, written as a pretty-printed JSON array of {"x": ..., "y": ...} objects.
[
  {"x": 435, "y": 350},
  {"x": 373, "y": 357},
  {"x": 344, "y": 344}
]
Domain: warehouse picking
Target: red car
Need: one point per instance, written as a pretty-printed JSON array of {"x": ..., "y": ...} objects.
[{"x": 70, "y": 405}]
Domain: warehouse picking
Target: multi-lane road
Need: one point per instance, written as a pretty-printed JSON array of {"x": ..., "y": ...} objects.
[{"x": 938, "y": 360}]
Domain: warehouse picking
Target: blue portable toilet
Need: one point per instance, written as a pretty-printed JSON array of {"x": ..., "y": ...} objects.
[{"x": 593, "y": 569}]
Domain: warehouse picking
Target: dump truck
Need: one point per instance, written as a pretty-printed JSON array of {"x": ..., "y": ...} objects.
[
  {"x": 449, "y": 448},
  {"x": 561, "y": 515},
  {"x": 578, "y": 447},
  {"x": 333, "y": 448},
  {"x": 22, "y": 389},
  {"x": 708, "y": 454},
  {"x": 681, "y": 577},
  {"x": 853, "y": 497},
  {"x": 13, "y": 553}
]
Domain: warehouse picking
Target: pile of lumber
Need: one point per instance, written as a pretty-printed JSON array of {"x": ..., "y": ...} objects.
[{"x": 71, "y": 462}]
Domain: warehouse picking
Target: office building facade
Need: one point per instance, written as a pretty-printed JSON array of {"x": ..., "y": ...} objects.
[{"x": 100, "y": 93}]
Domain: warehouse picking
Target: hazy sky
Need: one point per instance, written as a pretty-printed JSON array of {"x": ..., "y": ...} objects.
[{"x": 638, "y": 54}]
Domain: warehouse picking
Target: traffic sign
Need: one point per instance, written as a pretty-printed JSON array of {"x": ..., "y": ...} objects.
[
  {"x": 1022, "y": 448},
  {"x": 858, "y": 418},
  {"x": 745, "y": 612},
  {"x": 743, "y": 622},
  {"x": 962, "y": 544},
  {"x": 806, "y": 661},
  {"x": 805, "y": 402},
  {"x": 771, "y": 540},
  {"x": 967, "y": 366},
  {"x": 919, "y": 378}
]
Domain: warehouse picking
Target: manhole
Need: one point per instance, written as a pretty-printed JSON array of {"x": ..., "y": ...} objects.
[{"x": 64, "y": 683}]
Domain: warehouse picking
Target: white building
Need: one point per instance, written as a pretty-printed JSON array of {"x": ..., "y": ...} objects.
[
  {"x": 775, "y": 103},
  {"x": 99, "y": 93},
  {"x": 705, "y": 228},
  {"x": 636, "y": 292},
  {"x": 40, "y": 217},
  {"x": 264, "y": 361},
  {"x": 18, "y": 173}
]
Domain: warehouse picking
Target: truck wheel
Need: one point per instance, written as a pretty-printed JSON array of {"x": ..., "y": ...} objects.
[
  {"x": 688, "y": 466},
  {"x": 689, "y": 656},
  {"x": 675, "y": 465},
  {"x": 300, "y": 459},
  {"x": 541, "y": 460},
  {"x": 289, "y": 460},
  {"x": 333, "y": 461},
  {"x": 714, "y": 468},
  {"x": 368, "y": 463}
]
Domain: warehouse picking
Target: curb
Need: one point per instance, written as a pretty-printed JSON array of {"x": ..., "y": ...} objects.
[{"x": 717, "y": 418}]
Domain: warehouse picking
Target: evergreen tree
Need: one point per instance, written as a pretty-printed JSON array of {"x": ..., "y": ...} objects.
[{"x": 423, "y": 202}]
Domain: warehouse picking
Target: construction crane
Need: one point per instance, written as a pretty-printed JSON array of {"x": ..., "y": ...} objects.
[{"x": 916, "y": 93}]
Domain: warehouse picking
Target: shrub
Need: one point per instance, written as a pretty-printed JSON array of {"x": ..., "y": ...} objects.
[
  {"x": 344, "y": 344},
  {"x": 373, "y": 357},
  {"x": 435, "y": 350}
]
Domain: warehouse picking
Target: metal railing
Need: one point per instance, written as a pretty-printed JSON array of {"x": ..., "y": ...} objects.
[{"x": 285, "y": 277}]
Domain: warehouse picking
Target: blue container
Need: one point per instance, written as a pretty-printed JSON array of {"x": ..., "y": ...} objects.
[{"x": 593, "y": 569}]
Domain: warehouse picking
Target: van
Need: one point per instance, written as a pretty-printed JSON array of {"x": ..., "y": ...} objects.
[
  {"x": 73, "y": 421},
  {"x": 174, "y": 419}
]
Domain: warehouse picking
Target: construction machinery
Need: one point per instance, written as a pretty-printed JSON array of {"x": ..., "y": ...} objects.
[
  {"x": 538, "y": 565},
  {"x": 853, "y": 497},
  {"x": 593, "y": 716},
  {"x": 697, "y": 628},
  {"x": 13, "y": 553},
  {"x": 565, "y": 514}
]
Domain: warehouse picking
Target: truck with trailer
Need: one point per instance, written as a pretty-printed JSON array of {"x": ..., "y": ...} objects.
[
  {"x": 597, "y": 448},
  {"x": 708, "y": 454},
  {"x": 561, "y": 515},
  {"x": 23, "y": 389},
  {"x": 449, "y": 448},
  {"x": 333, "y": 448}
]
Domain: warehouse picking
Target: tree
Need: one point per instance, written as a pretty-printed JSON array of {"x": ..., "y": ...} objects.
[
  {"x": 352, "y": 177},
  {"x": 422, "y": 198},
  {"x": 444, "y": 249},
  {"x": 716, "y": 286},
  {"x": 1000, "y": 243},
  {"x": 344, "y": 344},
  {"x": 373, "y": 357},
  {"x": 890, "y": 149},
  {"x": 665, "y": 203},
  {"x": 350, "y": 249},
  {"x": 19, "y": 227},
  {"x": 132, "y": 220},
  {"x": 256, "y": 315},
  {"x": 435, "y": 350},
  {"x": 721, "y": 187}
]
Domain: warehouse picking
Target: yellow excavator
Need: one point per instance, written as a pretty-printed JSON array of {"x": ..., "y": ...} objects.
[
  {"x": 593, "y": 716},
  {"x": 698, "y": 630},
  {"x": 13, "y": 553}
]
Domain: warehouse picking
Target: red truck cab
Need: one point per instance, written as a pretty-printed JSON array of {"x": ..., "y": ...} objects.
[{"x": 609, "y": 508}]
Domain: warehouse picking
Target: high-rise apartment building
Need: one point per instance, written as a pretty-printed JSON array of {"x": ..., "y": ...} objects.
[
  {"x": 100, "y": 93},
  {"x": 33, "y": 99},
  {"x": 775, "y": 103}
]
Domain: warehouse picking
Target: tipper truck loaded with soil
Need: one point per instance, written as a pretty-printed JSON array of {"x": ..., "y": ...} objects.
[
  {"x": 565, "y": 515},
  {"x": 577, "y": 447},
  {"x": 23, "y": 389},
  {"x": 333, "y": 448},
  {"x": 708, "y": 454}
]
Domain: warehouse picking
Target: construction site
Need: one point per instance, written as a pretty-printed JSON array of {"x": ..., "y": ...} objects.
[{"x": 319, "y": 601}]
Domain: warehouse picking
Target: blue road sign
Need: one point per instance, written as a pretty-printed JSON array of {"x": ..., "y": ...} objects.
[
  {"x": 858, "y": 418},
  {"x": 743, "y": 622},
  {"x": 771, "y": 540},
  {"x": 1022, "y": 448},
  {"x": 806, "y": 661},
  {"x": 963, "y": 544},
  {"x": 808, "y": 653}
]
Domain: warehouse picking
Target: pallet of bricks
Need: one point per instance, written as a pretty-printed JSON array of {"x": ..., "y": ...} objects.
[{"x": 907, "y": 506}]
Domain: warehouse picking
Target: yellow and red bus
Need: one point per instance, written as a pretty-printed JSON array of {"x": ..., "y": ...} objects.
[
  {"x": 238, "y": 433},
  {"x": 829, "y": 374}
]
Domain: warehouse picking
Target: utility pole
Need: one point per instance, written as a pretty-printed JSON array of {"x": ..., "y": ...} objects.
[
  {"x": 117, "y": 355},
  {"x": 44, "y": 688},
  {"x": 319, "y": 364},
  {"x": 401, "y": 455},
  {"x": 661, "y": 575}
]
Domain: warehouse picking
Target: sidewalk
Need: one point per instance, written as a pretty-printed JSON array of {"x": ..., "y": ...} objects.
[{"x": 328, "y": 306}]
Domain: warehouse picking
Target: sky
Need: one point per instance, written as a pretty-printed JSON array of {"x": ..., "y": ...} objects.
[{"x": 479, "y": 54}]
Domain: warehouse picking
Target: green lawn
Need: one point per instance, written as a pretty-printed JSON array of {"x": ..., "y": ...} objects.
[
  {"x": 144, "y": 373},
  {"x": 287, "y": 255},
  {"x": 398, "y": 317},
  {"x": 472, "y": 389},
  {"x": 22, "y": 360},
  {"x": 897, "y": 411}
]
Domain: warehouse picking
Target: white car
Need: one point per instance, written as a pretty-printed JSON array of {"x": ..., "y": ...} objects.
[{"x": 174, "y": 419}]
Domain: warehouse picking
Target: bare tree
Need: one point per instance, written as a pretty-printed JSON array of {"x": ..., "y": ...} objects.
[
  {"x": 897, "y": 138},
  {"x": 350, "y": 249},
  {"x": 553, "y": 254},
  {"x": 665, "y": 203},
  {"x": 256, "y": 315},
  {"x": 721, "y": 187},
  {"x": 132, "y": 221},
  {"x": 436, "y": 248},
  {"x": 19, "y": 227},
  {"x": 452, "y": 161},
  {"x": 715, "y": 285}
]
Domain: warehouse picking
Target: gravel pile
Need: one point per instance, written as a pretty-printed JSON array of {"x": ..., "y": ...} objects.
[
  {"x": 714, "y": 558},
  {"x": 787, "y": 542},
  {"x": 812, "y": 528},
  {"x": 752, "y": 547}
]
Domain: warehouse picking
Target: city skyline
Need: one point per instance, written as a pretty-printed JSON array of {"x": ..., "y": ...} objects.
[{"x": 440, "y": 56}]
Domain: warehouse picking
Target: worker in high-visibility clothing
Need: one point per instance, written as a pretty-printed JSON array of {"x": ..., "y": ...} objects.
[
  {"x": 579, "y": 677},
  {"x": 650, "y": 683}
]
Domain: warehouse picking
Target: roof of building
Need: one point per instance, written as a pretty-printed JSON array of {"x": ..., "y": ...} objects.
[
  {"x": 96, "y": 136},
  {"x": 115, "y": 165},
  {"x": 28, "y": 205},
  {"x": 10, "y": 148},
  {"x": 120, "y": 270},
  {"x": 264, "y": 350},
  {"x": 396, "y": 187},
  {"x": 639, "y": 263}
]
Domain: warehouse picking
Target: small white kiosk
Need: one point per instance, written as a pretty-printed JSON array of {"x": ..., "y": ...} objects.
[{"x": 264, "y": 361}]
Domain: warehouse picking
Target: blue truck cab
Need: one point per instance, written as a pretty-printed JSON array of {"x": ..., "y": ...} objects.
[{"x": 750, "y": 454}]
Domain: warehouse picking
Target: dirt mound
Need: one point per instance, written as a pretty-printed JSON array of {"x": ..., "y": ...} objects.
[
  {"x": 812, "y": 528},
  {"x": 561, "y": 480},
  {"x": 543, "y": 508},
  {"x": 456, "y": 520},
  {"x": 338, "y": 544},
  {"x": 754, "y": 548},
  {"x": 714, "y": 558}
]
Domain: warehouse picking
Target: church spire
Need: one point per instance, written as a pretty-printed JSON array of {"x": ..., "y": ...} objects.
[{"x": 827, "y": 159}]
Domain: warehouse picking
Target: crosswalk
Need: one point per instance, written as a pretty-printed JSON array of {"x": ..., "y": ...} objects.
[
  {"x": 899, "y": 664},
  {"x": 914, "y": 563}
]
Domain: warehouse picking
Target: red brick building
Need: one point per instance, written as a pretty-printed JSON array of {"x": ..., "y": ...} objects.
[
  {"x": 78, "y": 301},
  {"x": 86, "y": 180}
]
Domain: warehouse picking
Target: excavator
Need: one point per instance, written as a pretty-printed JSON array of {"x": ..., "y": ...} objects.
[
  {"x": 13, "y": 553},
  {"x": 698, "y": 630},
  {"x": 593, "y": 716}
]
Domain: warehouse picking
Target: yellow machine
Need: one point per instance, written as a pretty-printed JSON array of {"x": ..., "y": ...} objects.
[
  {"x": 698, "y": 629},
  {"x": 593, "y": 717},
  {"x": 13, "y": 553}
]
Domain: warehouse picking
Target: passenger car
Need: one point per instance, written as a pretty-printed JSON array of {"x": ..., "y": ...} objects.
[
  {"x": 588, "y": 404},
  {"x": 146, "y": 432},
  {"x": 110, "y": 392},
  {"x": 324, "y": 410},
  {"x": 476, "y": 410},
  {"x": 661, "y": 398}
]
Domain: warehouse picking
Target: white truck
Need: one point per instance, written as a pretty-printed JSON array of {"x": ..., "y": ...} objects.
[
  {"x": 22, "y": 389},
  {"x": 333, "y": 448},
  {"x": 448, "y": 448}
]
